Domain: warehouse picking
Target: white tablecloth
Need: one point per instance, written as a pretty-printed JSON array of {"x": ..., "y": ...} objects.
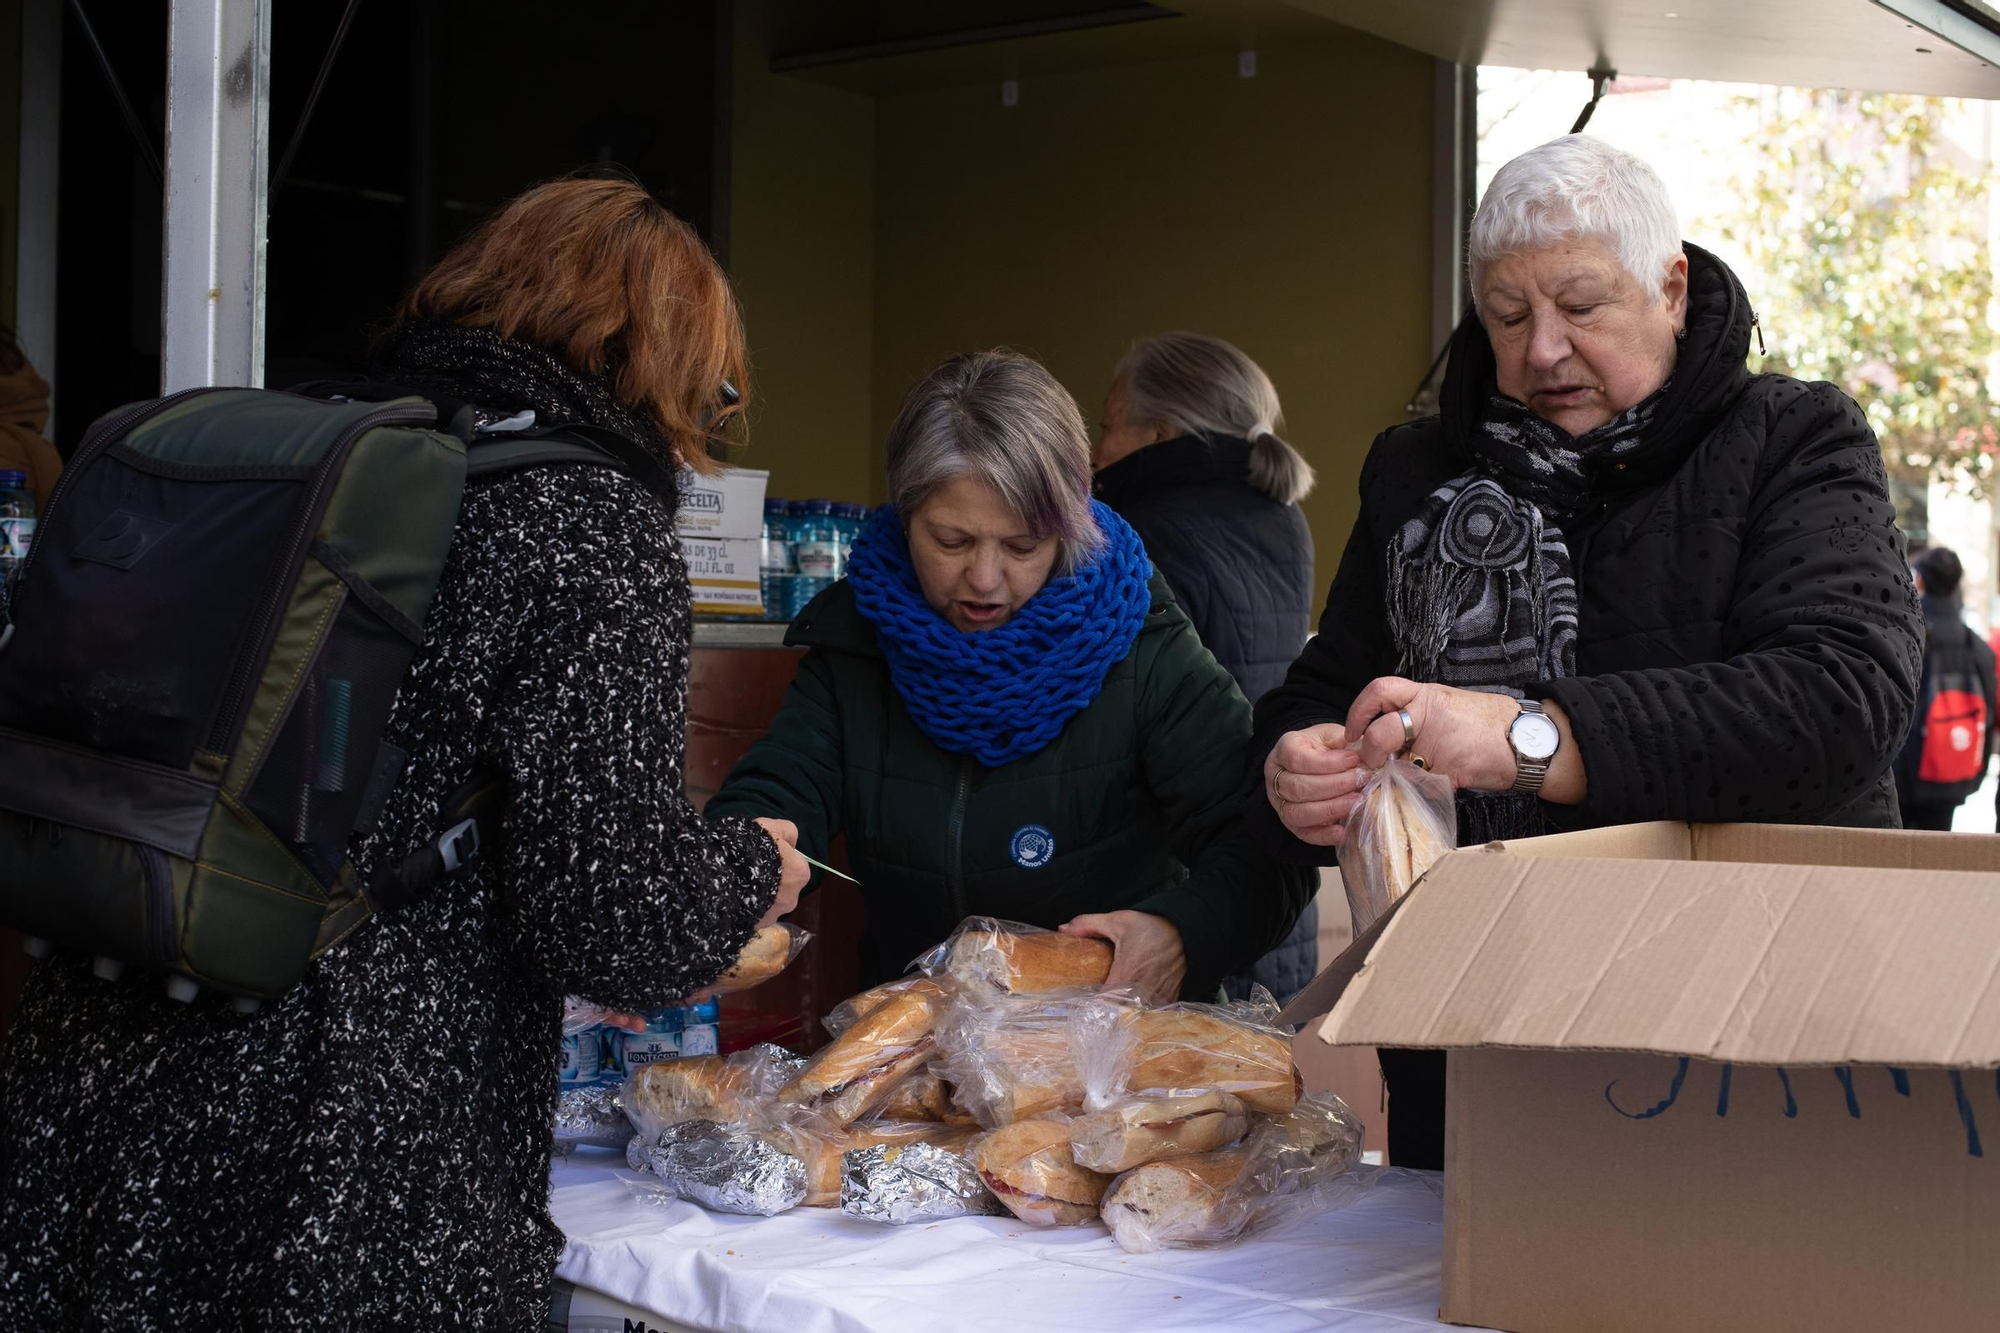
[{"x": 1371, "y": 1266}]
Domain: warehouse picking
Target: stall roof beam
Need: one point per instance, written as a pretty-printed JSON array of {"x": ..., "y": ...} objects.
[
  {"x": 1934, "y": 47},
  {"x": 218, "y": 162}
]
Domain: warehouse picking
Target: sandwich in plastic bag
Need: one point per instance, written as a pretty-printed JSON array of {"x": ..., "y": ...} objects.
[
  {"x": 1405, "y": 822},
  {"x": 1297, "y": 1165},
  {"x": 1019, "y": 959},
  {"x": 851, "y": 1010},
  {"x": 859, "y": 1071},
  {"x": 769, "y": 952},
  {"x": 1123, "y": 1051},
  {"x": 731, "y": 1088},
  {"x": 1030, "y": 1168},
  {"x": 1010, "y": 1057},
  {"x": 1152, "y": 1129}
]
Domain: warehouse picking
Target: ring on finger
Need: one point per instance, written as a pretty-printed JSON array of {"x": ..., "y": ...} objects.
[
  {"x": 1409, "y": 730},
  {"x": 1418, "y": 761}
]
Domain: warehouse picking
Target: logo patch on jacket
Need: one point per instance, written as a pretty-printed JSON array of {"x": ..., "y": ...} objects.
[{"x": 1033, "y": 847}]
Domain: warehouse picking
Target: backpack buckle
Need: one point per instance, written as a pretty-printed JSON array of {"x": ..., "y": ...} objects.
[{"x": 458, "y": 844}]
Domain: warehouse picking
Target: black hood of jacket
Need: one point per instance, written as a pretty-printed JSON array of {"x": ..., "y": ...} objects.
[{"x": 1708, "y": 376}]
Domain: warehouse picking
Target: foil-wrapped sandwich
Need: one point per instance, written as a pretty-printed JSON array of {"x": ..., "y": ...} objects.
[
  {"x": 912, "y": 1182},
  {"x": 724, "y": 1168},
  {"x": 590, "y": 1117}
]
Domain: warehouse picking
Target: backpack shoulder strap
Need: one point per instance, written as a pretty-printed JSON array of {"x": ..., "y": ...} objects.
[{"x": 573, "y": 443}]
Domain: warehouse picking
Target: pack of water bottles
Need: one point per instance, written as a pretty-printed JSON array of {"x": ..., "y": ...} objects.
[
  {"x": 805, "y": 548},
  {"x": 595, "y": 1052}
]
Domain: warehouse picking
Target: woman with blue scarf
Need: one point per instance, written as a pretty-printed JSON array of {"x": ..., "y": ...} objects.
[{"x": 1007, "y": 715}]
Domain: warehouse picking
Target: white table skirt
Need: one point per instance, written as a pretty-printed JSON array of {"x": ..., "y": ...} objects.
[{"x": 1368, "y": 1267}]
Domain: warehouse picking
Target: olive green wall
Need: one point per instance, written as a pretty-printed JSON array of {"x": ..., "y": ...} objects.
[
  {"x": 801, "y": 255},
  {"x": 1288, "y": 213}
]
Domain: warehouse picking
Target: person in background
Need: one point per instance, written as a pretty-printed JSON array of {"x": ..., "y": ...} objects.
[
  {"x": 1945, "y": 756},
  {"x": 1007, "y": 713},
  {"x": 371, "y": 1150},
  {"x": 1188, "y": 453},
  {"x": 24, "y": 414},
  {"x": 1617, "y": 578}
]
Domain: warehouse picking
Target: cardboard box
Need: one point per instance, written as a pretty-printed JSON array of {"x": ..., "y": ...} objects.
[
  {"x": 728, "y": 506},
  {"x": 725, "y": 576},
  {"x": 1704, "y": 1077}
]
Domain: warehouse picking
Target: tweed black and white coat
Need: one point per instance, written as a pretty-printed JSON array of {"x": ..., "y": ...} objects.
[{"x": 372, "y": 1151}]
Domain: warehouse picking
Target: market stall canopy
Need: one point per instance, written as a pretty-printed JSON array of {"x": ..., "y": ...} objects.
[{"x": 1937, "y": 47}]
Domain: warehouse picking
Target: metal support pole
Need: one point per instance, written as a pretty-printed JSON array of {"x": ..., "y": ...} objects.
[
  {"x": 1454, "y": 167},
  {"x": 218, "y": 163},
  {"x": 35, "y": 235}
]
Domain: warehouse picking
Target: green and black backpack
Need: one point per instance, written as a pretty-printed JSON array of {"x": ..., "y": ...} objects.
[{"x": 201, "y": 652}]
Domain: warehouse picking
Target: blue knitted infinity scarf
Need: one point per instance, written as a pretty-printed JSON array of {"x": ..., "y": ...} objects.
[{"x": 1001, "y": 694}]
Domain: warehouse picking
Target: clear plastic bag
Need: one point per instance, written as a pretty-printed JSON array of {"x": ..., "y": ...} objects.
[
  {"x": 859, "y": 1071},
  {"x": 733, "y": 1088},
  {"x": 769, "y": 952},
  {"x": 1123, "y": 1052},
  {"x": 1030, "y": 1167},
  {"x": 1153, "y": 1129},
  {"x": 984, "y": 953},
  {"x": 1011, "y": 1057},
  {"x": 1297, "y": 1165},
  {"x": 581, "y": 1015},
  {"x": 1407, "y": 819},
  {"x": 856, "y": 1007}
]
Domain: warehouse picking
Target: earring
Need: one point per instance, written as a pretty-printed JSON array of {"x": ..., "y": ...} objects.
[{"x": 1681, "y": 334}]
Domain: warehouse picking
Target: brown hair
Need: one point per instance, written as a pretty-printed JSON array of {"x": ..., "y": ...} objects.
[{"x": 599, "y": 273}]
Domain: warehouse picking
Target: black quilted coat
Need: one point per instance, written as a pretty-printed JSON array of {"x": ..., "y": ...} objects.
[
  {"x": 1241, "y": 566},
  {"x": 1749, "y": 642}
]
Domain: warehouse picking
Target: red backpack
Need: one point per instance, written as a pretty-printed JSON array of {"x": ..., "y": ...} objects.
[{"x": 1954, "y": 738}]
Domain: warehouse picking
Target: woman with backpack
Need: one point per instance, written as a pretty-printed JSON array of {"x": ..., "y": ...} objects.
[
  {"x": 1944, "y": 759},
  {"x": 371, "y": 1149}
]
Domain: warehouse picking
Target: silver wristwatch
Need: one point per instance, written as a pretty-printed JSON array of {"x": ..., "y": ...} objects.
[{"x": 1535, "y": 741}]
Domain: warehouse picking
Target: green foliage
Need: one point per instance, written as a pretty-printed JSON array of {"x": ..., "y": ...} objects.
[{"x": 1865, "y": 245}]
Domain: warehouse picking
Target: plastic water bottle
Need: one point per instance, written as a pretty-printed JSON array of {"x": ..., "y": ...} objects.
[
  {"x": 816, "y": 546},
  {"x": 17, "y": 527},
  {"x": 582, "y": 1058},
  {"x": 660, "y": 1042},
  {"x": 850, "y": 517},
  {"x": 701, "y": 1028},
  {"x": 777, "y": 569}
]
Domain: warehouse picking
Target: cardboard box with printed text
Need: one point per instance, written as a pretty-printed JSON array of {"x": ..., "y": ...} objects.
[
  {"x": 728, "y": 506},
  {"x": 1704, "y": 1077}
]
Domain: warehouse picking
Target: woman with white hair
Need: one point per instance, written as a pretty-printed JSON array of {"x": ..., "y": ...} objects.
[
  {"x": 1617, "y": 578},
  {"x": 1188, "y": 453},
  {"x": 1007, "y": 715}
]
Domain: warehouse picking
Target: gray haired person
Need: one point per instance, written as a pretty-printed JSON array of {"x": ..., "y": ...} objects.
[
  {"x": 1188, "y": 453},
  {"x": 1617, "y": 578},
  {"x": 1006, "y": 713}
]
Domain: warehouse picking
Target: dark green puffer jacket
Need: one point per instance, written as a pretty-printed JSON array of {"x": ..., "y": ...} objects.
[{"x": 1141, "y": 794}]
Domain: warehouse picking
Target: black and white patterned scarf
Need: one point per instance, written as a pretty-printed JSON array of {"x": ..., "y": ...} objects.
[
  {"x": 481, "y": 367},
  {"x": 1481, "y": 592}
]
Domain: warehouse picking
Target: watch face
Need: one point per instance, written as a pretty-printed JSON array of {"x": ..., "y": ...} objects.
[{"x": 1535, "y": 737}]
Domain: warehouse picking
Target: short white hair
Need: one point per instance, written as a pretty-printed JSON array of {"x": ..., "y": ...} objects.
[{"x": 1577, "y": 188}]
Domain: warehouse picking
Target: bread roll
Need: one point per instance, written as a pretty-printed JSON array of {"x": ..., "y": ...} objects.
[
  {"x": 766, "y": 955},
  {"x": 859, "y": 1071},
  {"x": 699, "y": 1087},
  {"x": 853, "y": 1009},
  {"x": 1180, "y": 1202},
  {"x": 921, "y": 1096},
  {"x": 1028, "y": 963},
  {"x": 1148, "y": 1131},
  {"x": 1030, "y": 1169},
  {"x": 1186, "y": 1046}
]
